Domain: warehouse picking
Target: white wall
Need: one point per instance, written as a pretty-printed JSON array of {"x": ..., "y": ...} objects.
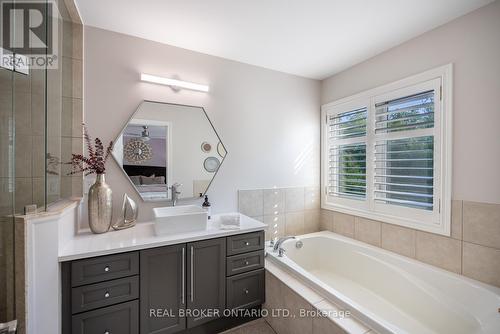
[
  {"x": 269, "y": 121},
  {"x": 472, "y": 44}
]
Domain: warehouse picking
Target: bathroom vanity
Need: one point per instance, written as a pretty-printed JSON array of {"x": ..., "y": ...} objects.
[{"x": 142, "y": 283}]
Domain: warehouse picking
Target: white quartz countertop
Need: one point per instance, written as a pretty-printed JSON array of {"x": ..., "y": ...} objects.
[{"x": 86, "y": 244}]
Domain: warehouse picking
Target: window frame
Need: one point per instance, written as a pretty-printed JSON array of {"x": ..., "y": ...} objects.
[{"x": 439, "y": 219}]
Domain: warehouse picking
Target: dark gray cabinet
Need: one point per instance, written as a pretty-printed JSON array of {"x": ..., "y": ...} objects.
[
  {"x": 242, "y": 263},
  {"x": 244, "y": 243},
  {"x": 120, "y": 318},
  {"x": 246, "y": 290},
  {"x": 103, "y": 268},
  {"x": 245, "y": 284},
  {"x": 206, "y": 280},
  {"x": 163, "y": 289},
  {"x": 181, "y": 288},
  {"x": 89, "y": 297}
]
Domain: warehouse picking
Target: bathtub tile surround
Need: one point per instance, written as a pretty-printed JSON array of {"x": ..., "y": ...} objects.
[
  {"x": 284, "y": 291},
  {"x": 274, "y": 201},
  {"x": 369, "y": 231},
  {"x": 327, "y": 324},
  {"x": 312, "y": 198},
  {"x": 398, "y": 239},
  {"x": 275, "y": 226},
  {"x": 481, "y": 224},
  {"x": 473, "y": 249},
  {"x": 311, "y": 221},
  {"x": 456, "y": 219},
  {"x": 286, "y": 211},
  {"x": 439, "y": 251},
  {"x": 481, "y": 263},
  {"x": 294, "y": 199},
  {"x": 326, "y": 220},
  {"x": 343, "y": 224},
  {"x": 251, "y": 202}
]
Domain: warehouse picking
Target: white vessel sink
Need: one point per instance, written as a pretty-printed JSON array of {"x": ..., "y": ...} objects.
[{"x": 179, "y": 219}]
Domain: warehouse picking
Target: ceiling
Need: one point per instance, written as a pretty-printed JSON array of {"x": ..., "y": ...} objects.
[
  {"x": 309, "y": 38},
  {"x": 155, "y": 131}
]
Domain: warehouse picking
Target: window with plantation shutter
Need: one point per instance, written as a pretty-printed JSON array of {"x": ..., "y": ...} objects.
[
  {"x": 404, "y": 165},
  {"x": 387, "y": 153}
]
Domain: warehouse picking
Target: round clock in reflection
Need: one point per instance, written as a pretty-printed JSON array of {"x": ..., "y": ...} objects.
[
  {"x": 211, "y": 164},
  {"x": 137, "y": 151}
]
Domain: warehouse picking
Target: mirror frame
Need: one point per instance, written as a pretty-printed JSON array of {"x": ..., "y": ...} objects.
[{"x": 169, "y": 200}]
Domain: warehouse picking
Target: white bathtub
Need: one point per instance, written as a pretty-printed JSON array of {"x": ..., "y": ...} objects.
[{"x": 388, "y": 292}]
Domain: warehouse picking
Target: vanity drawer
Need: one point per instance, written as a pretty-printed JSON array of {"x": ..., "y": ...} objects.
[
  {"x": 246, "y": 290},
  {"x": 242, "y": 263},
  {"x": 117, "y": 319},
  {"x": 244, "y": 243},
  {"x": 89, "y": 297},
  {"x": 104, "y": 268}
]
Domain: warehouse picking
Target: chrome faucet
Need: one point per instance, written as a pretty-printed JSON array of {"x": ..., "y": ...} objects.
[
  {"x": 277, "y": 245},
  {"x": 175, "y": 192}
]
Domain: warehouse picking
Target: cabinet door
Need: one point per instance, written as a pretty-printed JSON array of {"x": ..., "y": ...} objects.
[
  {"x": 121, "y": 318},
  {"x": 163, "y": 289},
  {"x": 206, "y": 280}
]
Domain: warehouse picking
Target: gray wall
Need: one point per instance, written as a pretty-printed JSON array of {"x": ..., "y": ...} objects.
[
  {"x": 269, "y": 121},
  {"x": 472, "y": 44}
]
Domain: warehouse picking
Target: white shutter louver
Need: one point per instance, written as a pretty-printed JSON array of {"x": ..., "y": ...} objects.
[
  {"x": 347, "y": 154},
  {"x": 404, "y": 157}
]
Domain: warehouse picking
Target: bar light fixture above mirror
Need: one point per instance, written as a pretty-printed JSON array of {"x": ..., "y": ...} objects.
[{"x": 174, "y": 83}]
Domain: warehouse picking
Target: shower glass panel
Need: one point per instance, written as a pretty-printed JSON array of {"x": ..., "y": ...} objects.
[
  {"x": 40, "y": 126},
  {"x": 7, "y": 196},
  {"x": 22, "y": 170}
]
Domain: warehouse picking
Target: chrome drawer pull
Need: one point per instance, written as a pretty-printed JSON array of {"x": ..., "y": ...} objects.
[
  {"x": 106, "y": 269},
  {"x": 106, "y": 332},
  {"x": 247, "y": 243},
  {"x": 106, "y": 295},
  {"x": 192, "y": 273},
  {"x": 247, "y": 263},
  {"x": 246, "y": 291},
  {"x": 183, "y": 297}
]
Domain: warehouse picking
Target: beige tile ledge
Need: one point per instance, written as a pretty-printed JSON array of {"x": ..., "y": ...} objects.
[
  {"x": 349, "y": 325},
  {"x": 54, "y": 210}
]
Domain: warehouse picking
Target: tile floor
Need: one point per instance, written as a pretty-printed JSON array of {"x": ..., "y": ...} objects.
[{"x": 259, "y": 326}]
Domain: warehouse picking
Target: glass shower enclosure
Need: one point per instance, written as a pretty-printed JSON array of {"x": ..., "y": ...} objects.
[{"x": 37, "y": 136}]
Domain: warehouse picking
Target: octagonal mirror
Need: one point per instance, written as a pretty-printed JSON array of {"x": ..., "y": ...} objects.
[{"x": 164, "y": 144}]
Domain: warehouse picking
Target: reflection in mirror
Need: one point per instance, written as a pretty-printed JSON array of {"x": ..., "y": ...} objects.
[{"x": 163, "y": 144}]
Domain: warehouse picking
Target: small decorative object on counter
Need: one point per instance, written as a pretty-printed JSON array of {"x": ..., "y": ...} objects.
[
  {"x": 100, "y": 205},
  {"x": 230, "y": 222},
  {"x": 129, "y": 214},
  {"x": 8, "y": 327},
  {"x": 207, "y": 206}
]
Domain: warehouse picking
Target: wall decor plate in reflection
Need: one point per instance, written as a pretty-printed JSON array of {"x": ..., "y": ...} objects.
[
  {"x": 211, "y": 164},
  {"x": 206, "y": 147},
  {"x": 221, "y": 150},
  {"x": 137, "y": 151}
]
